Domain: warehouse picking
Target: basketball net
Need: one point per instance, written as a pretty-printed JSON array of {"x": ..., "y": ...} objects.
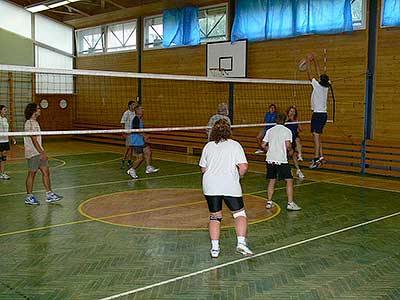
[{"x": 217, "y": 72}]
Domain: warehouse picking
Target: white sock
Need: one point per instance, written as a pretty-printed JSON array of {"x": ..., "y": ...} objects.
[
  {"x": 215, "y": 244},
  {"x": 48, "y": 193},
  {"x": 241, "y": 240}
]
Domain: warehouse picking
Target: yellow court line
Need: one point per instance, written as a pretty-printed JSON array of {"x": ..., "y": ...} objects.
[
  {"x": 103, "y": 219},
  {"x": 44, "y": 227}
]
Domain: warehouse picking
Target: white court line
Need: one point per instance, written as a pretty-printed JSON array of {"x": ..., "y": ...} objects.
[
  {"x": 105, "y": 183},
  {"x": 247, "y": 258}
]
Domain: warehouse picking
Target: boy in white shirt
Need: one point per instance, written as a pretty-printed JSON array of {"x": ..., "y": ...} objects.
[
  {"x": 319, "y": 99},
  {"x": 127, "y": 119},
  {"x": 277, "y": 141}
]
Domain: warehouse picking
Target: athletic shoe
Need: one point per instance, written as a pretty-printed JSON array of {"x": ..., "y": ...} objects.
[
  {"x": 151, "y": 169},
  {"x": 53, "y": 197},
  {"x": 132, "y": 172},
  {"x": 214, "y": 253},
  {"x": 269, "y": 205},
  {"x": 31, "y": 200},
  {"x": 321, "y": 161},
  {"x": 292, "y": 206},
  {"x": 244, "y": 250},
  {"x": 314, "y": 164},
  {"x": 300, "y": 157},
  {"x": 259, "y": 151},
  {"x": 300, "y": 174},
  {"x": 4, "y": 176}
]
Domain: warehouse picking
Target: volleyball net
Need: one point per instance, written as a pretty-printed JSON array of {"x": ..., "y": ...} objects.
[{"x": 92, "y": 102}]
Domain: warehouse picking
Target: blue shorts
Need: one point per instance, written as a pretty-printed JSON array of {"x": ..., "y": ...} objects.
[{"x": 318, "y": 122}]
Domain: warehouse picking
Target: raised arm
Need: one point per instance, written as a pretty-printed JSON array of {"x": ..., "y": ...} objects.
[{"x": 309, "y": 59}]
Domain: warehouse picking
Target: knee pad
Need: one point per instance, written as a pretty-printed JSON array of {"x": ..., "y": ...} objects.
[
  {"x": 215, "y": 218},
  {"x": 3, "y": 158},
  {"x": 241, "y": 213}
]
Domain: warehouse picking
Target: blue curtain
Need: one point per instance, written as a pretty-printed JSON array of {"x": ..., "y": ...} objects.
[
  {"x": 271, "y": 19},
  {"x": 249, "y": 20},
  {"x": 181, "y": 27},
  {"x": 391, "y": 13}
]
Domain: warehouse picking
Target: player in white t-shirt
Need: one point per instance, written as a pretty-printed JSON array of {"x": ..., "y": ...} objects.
[
  {"x": 36, "y": 157},
  {"x": 127, "y": 119},
  {"x": 319, "y": 99},
  {"x": 4, "y": 142},
  {"x": 223, "y": 162},
  {"x": 277, "y": 142}
]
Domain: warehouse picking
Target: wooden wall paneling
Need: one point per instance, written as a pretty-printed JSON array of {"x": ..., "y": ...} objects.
[{"x": 54, "y": 117}]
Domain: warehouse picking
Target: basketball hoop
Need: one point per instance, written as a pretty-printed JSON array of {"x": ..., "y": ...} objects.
[{"x": 217, "y": 72}]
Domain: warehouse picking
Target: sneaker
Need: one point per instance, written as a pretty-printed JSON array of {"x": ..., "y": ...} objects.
[
  {"x": 214, "y": 253},
  {"x": 31, "y": 200},
  {"x": 4, "y": 176},
  {"x": 300, "y": 174},
  {"x": 300, "y": 157},
  {"x": 53, "y": 197},
  {"x": 321, "y": 161},
  {"x": 244, "y": 250},
  {"x": 292, "y": 206},
  {"x": 133, "y": 174},
  {"x": 259, "y": 151},
  {"x": 314, "y": 164},
  {"x": 269, "y": 205},
  {"x": 151, "y": 169}
]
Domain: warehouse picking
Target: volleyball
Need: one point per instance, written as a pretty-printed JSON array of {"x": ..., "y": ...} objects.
[{"x": 302, "y": 65}]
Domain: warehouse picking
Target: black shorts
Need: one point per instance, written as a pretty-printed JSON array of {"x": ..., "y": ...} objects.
[
  {"x": 318, "y": 122},
  {"x": 139, "y": 149},
  {"x": 282, "y": 171},
  {"x": 4, "y": 146},
  {"x": 215, "y": 203}
]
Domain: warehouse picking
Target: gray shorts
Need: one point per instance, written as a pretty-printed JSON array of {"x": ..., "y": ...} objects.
[
  {"x": 128, "y": 140},
  {"x": 34, "y": 163}
]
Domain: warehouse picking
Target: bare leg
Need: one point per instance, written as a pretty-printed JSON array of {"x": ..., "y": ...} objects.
[
  {"x": 240, "y": 225},
  {"x": 148, "y": 155},
  {"x": 2, "y": 163},
  {"x": 289, "y": 189},
  {"x": 214, "y": 227},
  {"x": 299, "y": 146},
  {"x": 30, "y": 179},
  {"x": 317, "y": 144},
  {"x": 46, "y": 178},
  {"x": 271, "y": 188},
  {"x": 138, "y": 161}
]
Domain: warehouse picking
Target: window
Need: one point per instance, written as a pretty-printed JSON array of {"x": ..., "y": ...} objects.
[
  {"x": 358, "y": 11},
  {"x": 212, "y": 20},
  {"x": 153, "y": 32},
  {"x": 90, "y": 41},
  {"x": 212, "y": 24},
  {"x": 121, "y": 37}
]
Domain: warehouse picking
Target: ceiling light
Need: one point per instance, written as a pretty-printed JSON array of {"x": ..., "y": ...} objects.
[
  {"x": 37, "y": 8},
  {"x": 57, "y": 4},
  {"x": 73, "y": 0}
]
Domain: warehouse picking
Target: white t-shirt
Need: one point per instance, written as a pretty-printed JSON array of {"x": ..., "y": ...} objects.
[
  {"x": 319, "y": 97},
  {"x": 221, "y": 177},
  {"x": 276, "y": 138},
  {"x": 30, "y": 150},
  {"x": 3, "y": 128},
  {"x": 127, "y": 119}
]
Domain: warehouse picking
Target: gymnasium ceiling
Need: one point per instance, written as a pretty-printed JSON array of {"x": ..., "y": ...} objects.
[
  {"x": 88, "y": 12},
  {"x": 85, "y": 8}
]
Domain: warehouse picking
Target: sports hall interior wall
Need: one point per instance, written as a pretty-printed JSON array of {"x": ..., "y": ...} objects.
[{"x": 15, "y": 49}]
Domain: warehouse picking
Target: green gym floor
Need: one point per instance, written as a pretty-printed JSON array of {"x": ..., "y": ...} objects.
[{"x": 116, "y": 238}]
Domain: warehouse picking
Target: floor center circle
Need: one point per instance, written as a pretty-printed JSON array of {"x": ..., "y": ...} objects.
[{"x": 168, "y": 209}]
